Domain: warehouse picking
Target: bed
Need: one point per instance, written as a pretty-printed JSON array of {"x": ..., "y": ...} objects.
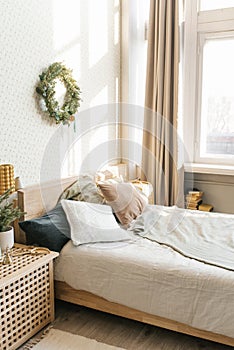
[{"x": 157, "y": 268}]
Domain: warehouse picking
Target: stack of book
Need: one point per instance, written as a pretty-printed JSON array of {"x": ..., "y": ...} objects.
[
  {"x": 193, "y": 199},
  {"x": 205, "y": 207}
]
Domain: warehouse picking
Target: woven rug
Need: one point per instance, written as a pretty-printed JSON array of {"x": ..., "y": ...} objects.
[{"x": 60, "y": 340}]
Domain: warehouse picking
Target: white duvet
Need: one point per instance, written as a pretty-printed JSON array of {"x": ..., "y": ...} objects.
[
  {"x": 207, "y": 237},
  {"x": 152, "y": 278}
]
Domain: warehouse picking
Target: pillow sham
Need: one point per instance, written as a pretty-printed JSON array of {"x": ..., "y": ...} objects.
[
  {"x": 126, "y": 202},
  {"x": 92, "y": 223},
  {"x": 84, "y": 189},
  {"x": 51, "y": 230}
]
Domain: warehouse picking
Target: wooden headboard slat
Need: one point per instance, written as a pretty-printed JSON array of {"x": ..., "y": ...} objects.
[{"x": 37, "y": 199}]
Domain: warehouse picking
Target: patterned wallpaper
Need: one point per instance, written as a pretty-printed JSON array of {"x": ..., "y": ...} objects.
[{"x": 84, "y": 34}]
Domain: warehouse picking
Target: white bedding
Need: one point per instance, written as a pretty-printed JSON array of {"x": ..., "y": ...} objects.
[
  {"x": 152, "y": 278},
  {"x": 207, "y": 237},
  {"x": 92, "y": 223}
]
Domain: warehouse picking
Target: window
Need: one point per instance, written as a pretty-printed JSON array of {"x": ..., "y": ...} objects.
[
  {"x": 215, "y": 4},
  {"x": 216, "y": 132},
  {"x": 209, "y": 85}
]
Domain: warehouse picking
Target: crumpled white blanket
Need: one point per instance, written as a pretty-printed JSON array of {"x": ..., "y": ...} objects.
[{"x": 207, "y": 237}]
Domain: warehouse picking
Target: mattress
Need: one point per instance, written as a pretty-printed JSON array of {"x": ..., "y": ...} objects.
[{"x": 153, "y": 278}]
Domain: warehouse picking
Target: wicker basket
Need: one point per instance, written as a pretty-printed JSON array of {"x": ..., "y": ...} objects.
[{"x": 7, "y": 179}]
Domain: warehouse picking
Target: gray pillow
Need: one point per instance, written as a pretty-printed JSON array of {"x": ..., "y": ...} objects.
[{"x": 50, "y": 230}]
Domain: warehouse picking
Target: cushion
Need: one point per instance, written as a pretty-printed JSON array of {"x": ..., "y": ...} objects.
[
  {"x": 146, "y": 189},
  {"x": 92, "y": 223},
  {"x": 110, "y": 173},
  {"x": 50, "y": 230},
  {"x": 126, "y": 202},
  {"x": 84, "y": 189}
]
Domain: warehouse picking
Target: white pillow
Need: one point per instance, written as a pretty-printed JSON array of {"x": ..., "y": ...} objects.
[{"x": 92, "y": 223}]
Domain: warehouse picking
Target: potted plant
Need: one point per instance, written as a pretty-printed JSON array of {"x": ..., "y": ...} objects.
[{"x": 8, "y": 213}]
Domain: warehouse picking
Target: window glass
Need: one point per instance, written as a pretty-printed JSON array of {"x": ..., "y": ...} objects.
[
  {"x": 215, "y": 4},
  {"x": 217, "y": 100}
]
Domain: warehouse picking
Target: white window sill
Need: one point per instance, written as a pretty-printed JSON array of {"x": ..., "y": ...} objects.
[{"x": 209, "y": 169}]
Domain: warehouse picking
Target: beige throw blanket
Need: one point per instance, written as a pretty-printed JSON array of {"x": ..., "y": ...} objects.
[{"x": 207, "y": 237}]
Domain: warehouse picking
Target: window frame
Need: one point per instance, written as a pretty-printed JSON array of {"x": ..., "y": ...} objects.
[{"x": 197, "y": 27}]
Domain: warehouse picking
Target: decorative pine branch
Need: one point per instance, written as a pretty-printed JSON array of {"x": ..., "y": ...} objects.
[{"x": 8, "y": 213}]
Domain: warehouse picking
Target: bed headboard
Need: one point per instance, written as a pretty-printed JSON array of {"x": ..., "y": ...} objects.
[{"x": 37, "y": 199}]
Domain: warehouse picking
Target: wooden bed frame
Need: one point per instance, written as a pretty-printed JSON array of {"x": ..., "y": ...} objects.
[{"x": 31, "y": 201}]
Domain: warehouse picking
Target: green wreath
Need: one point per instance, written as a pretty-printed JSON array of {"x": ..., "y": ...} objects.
[{"x": 46, "y": 89}]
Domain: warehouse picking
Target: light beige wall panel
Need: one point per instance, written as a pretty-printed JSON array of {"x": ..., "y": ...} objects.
[{"x": 218, "y": 190}]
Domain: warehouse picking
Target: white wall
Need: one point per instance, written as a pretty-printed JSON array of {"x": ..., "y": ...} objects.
[{"x": 84, "y": 34}]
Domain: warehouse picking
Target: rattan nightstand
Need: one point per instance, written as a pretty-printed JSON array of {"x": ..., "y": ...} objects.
[{"x": 26, "y": 297}]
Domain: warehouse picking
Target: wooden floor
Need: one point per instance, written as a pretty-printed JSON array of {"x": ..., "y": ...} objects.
[{"x": 128, "y": 334}]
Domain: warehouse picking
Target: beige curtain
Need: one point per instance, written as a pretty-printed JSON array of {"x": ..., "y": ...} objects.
[{"x": 159, "y": 158}]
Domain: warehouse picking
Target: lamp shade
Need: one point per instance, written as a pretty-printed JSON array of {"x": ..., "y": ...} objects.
[{"x": 18, "y": 183}]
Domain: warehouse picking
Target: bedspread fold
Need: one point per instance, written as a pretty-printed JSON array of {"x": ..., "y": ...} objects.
[{"x": 206, "y": 237}]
